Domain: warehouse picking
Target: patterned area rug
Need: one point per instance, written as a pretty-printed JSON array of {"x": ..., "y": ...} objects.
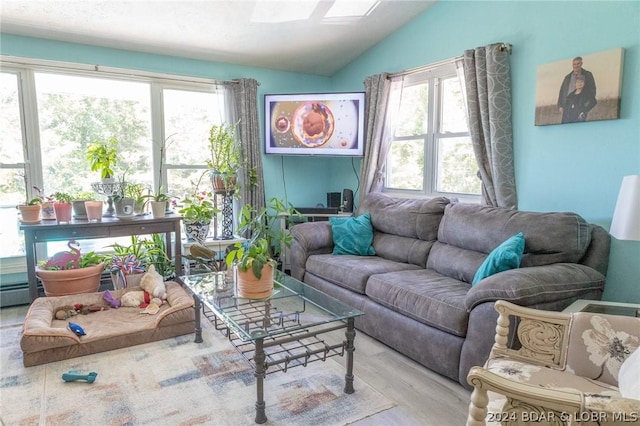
[{"x": 175, "y": 382}]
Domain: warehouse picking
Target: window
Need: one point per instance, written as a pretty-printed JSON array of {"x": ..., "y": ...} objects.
[
  {"x": 49, "y": 114},
  {"x": 431, "y": 152}
]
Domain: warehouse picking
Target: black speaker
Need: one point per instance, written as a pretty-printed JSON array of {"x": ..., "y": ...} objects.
[
  {"x": 347, "y": 197},
  {"x": 333, "y": 199}
]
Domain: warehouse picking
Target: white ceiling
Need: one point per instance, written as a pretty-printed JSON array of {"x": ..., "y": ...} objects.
[{"x": 307, "y": 36}]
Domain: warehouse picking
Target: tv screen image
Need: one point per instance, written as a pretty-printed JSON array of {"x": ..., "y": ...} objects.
[{"x": 315, "y": 124}]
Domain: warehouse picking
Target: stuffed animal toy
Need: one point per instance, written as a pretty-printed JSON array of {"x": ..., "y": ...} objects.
[
  {"x": 67, "y": 311},
  {"x": 64, "y": 312},
  {"x": 142, "y": 299},
  {"x": 153, "y": 283}
]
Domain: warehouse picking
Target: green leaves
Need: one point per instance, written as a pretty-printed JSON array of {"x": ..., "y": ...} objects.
[{"x": 103, "y": 156}]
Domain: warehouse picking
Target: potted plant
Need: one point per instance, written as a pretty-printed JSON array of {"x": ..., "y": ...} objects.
[
  {"x": 158, "y": 202},
  {"x": 122, "y": 202},
  {"x": 63, "y": 206},
  {"x": 255, "y": 259},
  {"x": 225, "y": 158},
  {"x": 103, "y": 157},
  {"x": 137, "y": 192},
  {"x": 71, "y": 272},
  {"x": 146, "y": 252},
  {"x": 78, "y": 206},
  {"x": 30, "y": 210},
  {"x": 46, "y": 205},
  {"x": 197, "y": 212}
]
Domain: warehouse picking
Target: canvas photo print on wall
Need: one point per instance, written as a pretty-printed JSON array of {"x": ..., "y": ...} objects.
[{"x": 578, "y": 89}]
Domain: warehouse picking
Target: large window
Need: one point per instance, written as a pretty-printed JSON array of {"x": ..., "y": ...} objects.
[
  {"x": 431, "y": 151},
  {"x": 50, "y": 114}
]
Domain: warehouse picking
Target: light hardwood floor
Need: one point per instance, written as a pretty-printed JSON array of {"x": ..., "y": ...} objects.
[{"x": 422, "y": 397}]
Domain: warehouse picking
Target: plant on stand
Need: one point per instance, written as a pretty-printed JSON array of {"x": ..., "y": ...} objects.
[
  {"x": 225, "y": 158},
  {"x": 158, "y": 203},
  {"x": 255, "y": 259},
  {"x": 103, "y": 156},
  {"x": 197, "y": 212},
  {"x": 46, "y": 202},
  {"x": 71, "y": 272}
]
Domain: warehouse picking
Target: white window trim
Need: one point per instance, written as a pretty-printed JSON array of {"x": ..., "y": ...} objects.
[
  {"x": 442, "y": 69},
  {"x": 26, "y": 68}
]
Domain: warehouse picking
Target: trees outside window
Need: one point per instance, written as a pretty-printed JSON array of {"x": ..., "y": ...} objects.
[{"x": 431, "y": 152}]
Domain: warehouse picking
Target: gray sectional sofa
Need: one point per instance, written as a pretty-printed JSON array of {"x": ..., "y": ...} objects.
[{"x": 416, "y": 292}]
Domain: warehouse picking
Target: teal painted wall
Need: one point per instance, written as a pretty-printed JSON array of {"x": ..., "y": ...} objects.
[
  {"x": 575, "y": 167},
  {"x": 572, "y": 167}
]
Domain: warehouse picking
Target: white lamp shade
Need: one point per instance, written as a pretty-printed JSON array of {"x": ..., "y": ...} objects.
[{"x": 626, "y": 217}]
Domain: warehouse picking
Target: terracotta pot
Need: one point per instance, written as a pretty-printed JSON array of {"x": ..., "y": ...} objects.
[
  {"x": 250, "y": 287},
  {"x": 71, "y": 281},
  {"x": 30, "y": 214},
  {"x": 63, "y": 211},
  {"x": 158, "y": 208},
  {"x": 219, "y": 186}
]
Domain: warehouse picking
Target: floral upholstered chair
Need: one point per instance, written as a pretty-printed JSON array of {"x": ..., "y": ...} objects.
[{"x": 558, "y": 368}]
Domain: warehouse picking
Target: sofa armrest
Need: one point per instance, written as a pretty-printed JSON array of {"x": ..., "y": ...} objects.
[
  {"x": 537, "y": 285},
  {"x": 307, "y": 239}
]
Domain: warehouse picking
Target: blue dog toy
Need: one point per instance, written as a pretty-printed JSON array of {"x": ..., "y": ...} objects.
[
  {"x": 76, "y": 329},
  {"x": 73, "y": 375}
]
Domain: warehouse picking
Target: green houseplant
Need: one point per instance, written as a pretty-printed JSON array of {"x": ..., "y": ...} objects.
[
  {"x": 103, "y": 157},
  {"x": 30, "y": 210},
  {"x": 225, "y": 158},
  {"x": 63, "y": 206},
  {"x": 198, "y": 210},
  {"x": 256, "y": 258}
]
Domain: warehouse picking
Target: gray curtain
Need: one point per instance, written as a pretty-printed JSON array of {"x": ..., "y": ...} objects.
[
  {"x": 488, "y": 92},
  {"x": 245, "y": 94},
  {"x": 379, "y": 100}
]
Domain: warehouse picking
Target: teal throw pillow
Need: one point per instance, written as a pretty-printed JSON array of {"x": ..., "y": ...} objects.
[
  {"x": 352, "y": 235},
  {"x": 504, "y": 257}
]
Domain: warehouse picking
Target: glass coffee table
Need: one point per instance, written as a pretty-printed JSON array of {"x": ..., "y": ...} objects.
[{"x": 292, "y": 328}]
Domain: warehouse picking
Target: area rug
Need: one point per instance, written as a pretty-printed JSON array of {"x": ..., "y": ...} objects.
[{"x": 175, "y": 382}]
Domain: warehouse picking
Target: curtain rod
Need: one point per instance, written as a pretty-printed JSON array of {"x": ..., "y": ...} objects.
[
  {"x": 75, "y": 67},
  {"x": 504, "y": 47}
]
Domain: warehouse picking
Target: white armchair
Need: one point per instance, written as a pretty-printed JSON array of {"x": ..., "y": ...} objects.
[{"x": 557, "y": 368}]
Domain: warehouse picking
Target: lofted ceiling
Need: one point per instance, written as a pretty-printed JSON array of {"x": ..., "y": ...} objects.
[{"x": 307, "y": 36}]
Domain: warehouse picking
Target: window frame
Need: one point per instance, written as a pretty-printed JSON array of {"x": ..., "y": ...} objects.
[
  {"x": 26, "y": 68},
  {"x": 431, "y": 75}
]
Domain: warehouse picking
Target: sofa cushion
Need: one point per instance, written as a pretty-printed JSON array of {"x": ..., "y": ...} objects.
[
  {"x": 413, "y": 218},
  {"x": 424, "y": 295},
  {"x": 351, "y": 271},
  {"x": 352, "y": 235},
  {"x": 550, "y": 237},
  {"x": 507, "y": 255}
]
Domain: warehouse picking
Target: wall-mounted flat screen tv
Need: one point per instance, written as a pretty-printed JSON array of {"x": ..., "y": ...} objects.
[{"x": 315, "y": 124}]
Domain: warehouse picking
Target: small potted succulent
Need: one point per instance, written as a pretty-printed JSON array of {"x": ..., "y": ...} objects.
[{"x": 63, "y": 206}]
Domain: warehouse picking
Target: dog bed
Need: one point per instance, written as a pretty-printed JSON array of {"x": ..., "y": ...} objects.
[{"x": 46, "y": 339}]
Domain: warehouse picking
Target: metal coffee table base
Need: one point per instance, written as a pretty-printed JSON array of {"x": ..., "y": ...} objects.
[{"x": 298, "y": 348}]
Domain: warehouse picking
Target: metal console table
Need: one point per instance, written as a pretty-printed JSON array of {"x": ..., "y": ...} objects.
[
  {"x": 292, "y": 328},
  {"x": 107, "y": 228}
]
